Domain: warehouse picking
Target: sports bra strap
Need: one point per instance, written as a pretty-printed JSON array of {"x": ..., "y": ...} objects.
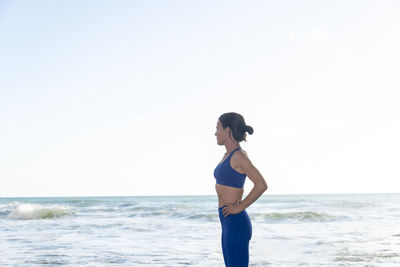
[{"x": 230, "y": 155}]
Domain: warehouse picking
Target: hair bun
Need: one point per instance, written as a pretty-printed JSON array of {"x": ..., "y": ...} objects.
[{"x": 249, "y": 129}]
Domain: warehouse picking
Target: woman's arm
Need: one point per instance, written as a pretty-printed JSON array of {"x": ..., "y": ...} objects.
[
  {"x": 260, "y": 185},
  {"x": 244, "y": 164}
]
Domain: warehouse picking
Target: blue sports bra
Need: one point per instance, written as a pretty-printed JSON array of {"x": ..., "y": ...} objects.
[{"x": 226, "y": 175}]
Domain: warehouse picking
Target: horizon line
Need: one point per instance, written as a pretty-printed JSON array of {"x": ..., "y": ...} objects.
[{"x": 199, "y": 195}]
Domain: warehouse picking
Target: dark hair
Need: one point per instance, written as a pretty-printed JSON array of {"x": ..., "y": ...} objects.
[{"x": 237, "y": 125}]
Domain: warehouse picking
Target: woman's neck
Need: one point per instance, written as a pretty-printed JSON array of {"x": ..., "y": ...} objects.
[{"x": 231, "y": 146}]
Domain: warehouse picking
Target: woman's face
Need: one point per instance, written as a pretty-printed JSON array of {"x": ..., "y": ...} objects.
[{"x": 221, "y": 133}]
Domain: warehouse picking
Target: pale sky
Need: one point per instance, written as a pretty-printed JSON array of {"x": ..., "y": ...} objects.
[{"x": 122, "y": 97}]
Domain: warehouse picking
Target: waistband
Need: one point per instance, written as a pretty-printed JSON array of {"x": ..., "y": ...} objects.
[
  {"x": 230, "y": 216},
  {"x": 220, "y": 208}
]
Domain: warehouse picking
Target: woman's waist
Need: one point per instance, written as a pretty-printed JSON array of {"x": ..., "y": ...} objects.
[
  {"x": 227, "y": 196},
  {"x": 223, "y": 204},
  {"x": 224, "y": 199}
]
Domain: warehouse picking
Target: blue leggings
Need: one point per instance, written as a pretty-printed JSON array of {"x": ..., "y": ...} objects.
[{"x": 235, "y": 238}]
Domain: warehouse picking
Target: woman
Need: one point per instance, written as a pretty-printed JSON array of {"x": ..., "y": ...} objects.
[{"x": 230, "y": 175}]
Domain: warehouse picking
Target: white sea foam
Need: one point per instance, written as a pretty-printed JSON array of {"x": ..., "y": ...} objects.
[{"x": 37, "y": 211}]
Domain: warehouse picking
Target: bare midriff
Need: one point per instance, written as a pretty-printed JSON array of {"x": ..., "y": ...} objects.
[{"x": 228, "y": 194}]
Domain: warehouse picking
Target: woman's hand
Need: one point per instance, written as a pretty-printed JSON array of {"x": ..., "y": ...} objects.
[{"x": 231, "y": 209}]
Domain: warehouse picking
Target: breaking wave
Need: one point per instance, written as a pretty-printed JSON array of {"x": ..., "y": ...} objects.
[
  {"x": 36, "y": 211},
  {"x": 303, "y": 216}
]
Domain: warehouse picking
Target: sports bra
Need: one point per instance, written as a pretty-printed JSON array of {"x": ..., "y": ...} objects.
[{"x": 226, "y": 175}]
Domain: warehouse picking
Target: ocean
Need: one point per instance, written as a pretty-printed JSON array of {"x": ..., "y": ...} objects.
[{"x": 288, "y": 230}]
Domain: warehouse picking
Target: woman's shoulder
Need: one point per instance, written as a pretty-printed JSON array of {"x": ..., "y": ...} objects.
[
  {"x": 240, "y": 155},
  {"x": 240, "y": 161}
]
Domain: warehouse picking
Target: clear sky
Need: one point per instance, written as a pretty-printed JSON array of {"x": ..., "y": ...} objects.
[{"x": 123, "y": 97}]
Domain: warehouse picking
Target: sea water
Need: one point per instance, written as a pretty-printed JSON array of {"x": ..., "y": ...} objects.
[{"x": 288, "y": 230}]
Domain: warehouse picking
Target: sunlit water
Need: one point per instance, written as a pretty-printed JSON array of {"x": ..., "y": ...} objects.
[{"x": 288, "y": 230}]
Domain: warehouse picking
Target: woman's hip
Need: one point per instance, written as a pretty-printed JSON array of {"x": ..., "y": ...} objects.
[{"x": 231, "y": 218}]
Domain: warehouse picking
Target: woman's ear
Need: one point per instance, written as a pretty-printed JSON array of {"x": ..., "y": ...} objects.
[
  {"x": 231, "y": 134},
  {"x": 228, "y": 131}
]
